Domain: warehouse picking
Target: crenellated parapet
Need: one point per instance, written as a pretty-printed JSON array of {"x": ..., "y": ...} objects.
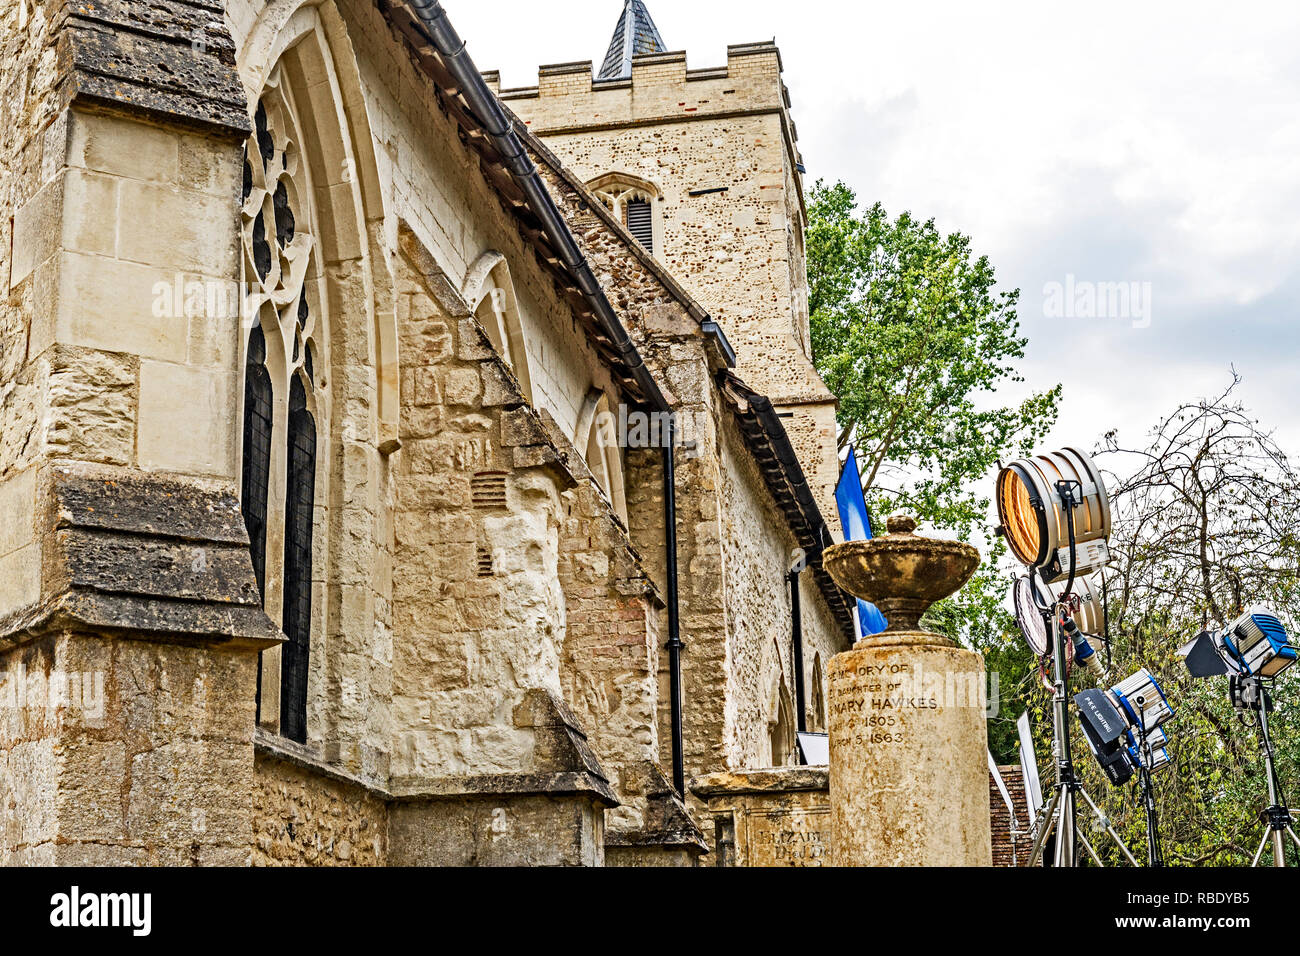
[{"x": 662, "y": 89}]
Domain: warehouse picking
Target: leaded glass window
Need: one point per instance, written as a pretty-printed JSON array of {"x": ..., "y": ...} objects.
[
  {"x": 284, "y": 397},
  {"x": 300, "y": 492},
  {"x": 258, "y": 423}
]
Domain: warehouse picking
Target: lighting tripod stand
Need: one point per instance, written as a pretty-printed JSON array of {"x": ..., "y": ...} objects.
[
  {"x": 1155, "y": 853},
  {"x": 1249, "y": 693},
  {"x": 1061, "y": 813}
]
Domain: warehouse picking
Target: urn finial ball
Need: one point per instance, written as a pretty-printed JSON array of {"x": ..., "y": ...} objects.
[
  {"x": 902, "y": 573},
  {"x": 901, "y": 524}
]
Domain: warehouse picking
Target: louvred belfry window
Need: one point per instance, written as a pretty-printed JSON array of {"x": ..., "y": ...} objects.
[
  {"x": 284, "y": 399},
  {"x": 637, "y": 214},
  {"x": 631, "y": 201}
]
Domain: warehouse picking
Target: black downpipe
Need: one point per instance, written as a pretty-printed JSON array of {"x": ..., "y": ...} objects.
[
  {"x": 675, "y": 644},
  {"x": 796, "y": 638},
  {"x": 488, "y": 110}
]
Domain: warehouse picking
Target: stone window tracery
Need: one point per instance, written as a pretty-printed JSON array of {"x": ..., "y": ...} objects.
[{"x": 284, "y": 403}]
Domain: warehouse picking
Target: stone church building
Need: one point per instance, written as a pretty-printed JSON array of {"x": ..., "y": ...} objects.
[{"x": 396, "y": 469}]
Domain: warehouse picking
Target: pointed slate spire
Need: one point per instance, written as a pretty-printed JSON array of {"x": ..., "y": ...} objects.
[{"x": 635, "y": 34}]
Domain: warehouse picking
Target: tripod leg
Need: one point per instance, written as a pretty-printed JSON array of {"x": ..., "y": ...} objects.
[
  {"x": 1043, "y": 828},
  {"x": 1279, "y": 849},
  {"x": 1102, "y": 819},
  {"x": 1036, "y": 857},
  {"x": 1067, "y": 829},
  {"x": 1260, "y": 852},
  {"x": 1091, "y": 852},
  {"x": 1293, "y": 836}
]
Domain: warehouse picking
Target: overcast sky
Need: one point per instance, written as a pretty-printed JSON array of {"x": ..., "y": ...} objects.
[{"x": 1151, "y": 143}]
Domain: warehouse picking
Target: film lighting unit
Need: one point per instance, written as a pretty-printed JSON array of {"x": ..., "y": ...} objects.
[
  {"x": 1055, "y": 514},
  {"x": 1084, "y": 618},
  {"x": 1253, "y": 650},
  {"x": 1124, "y": 727}
]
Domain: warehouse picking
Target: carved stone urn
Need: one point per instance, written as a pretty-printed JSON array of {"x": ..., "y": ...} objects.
[
  {"x": 902, "y": 574},
  {"x": 909, "y": 781}
]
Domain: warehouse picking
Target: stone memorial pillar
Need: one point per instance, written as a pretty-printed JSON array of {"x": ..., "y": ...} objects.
[{"x": 908, "y": 743}]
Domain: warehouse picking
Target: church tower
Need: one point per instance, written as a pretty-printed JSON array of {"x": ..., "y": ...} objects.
[{"x": 703, "y": 167}]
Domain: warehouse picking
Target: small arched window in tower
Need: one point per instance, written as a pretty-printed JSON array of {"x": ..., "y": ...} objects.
[{"x": 635, "y": 203}]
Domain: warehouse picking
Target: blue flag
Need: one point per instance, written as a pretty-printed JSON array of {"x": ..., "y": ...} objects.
[{"x": 857, "y": 527}]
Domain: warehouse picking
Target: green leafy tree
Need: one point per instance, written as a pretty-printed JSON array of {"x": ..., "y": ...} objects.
[{"x": 909, "y": 331}]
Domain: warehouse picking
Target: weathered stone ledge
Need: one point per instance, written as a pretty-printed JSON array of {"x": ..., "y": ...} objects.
[
  {"x": 492, "y": 785},
  {"x": 773, "y": 780},
  {"x": 307, "y": 759}
]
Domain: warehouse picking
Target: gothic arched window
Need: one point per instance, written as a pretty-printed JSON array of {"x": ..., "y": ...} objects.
[
  {"x": 258, "y": 423},
  {"x": 299, "y": 504},
  {"x": 491, "y": 296},
  {"x": 282, "y": 397},
  {"x": 596, "y": 436},
  {"x": 818, "y": 702},
  {"x": 634, "y": 202},
  {"x": 780, "y": 728}
]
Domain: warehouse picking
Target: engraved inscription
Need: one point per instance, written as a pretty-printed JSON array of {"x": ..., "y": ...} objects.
[
  {"x": 870, "y": 702},
  {"x": 787, "y": 837}
]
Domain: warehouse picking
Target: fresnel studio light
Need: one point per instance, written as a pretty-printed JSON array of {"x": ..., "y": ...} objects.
[
  {"x": 1253, "y": 651},
  {"x": 1055, "y": 514}
]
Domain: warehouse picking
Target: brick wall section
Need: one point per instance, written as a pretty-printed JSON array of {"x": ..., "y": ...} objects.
[
  {"x": 610, "y": 658},
  {"x": 478, "y": 610},
  {"x": 733, "y": 543},
  {"x": 1005, "y": 853}
]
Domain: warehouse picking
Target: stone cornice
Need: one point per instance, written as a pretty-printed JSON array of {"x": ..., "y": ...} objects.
[
  {"x": 168, "y": 60},
  {"x": 771, "y": 780},
  {"x": 144, "y": 557}
]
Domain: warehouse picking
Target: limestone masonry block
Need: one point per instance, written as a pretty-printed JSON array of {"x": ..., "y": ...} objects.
[{"x": 194, "y": 436}]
